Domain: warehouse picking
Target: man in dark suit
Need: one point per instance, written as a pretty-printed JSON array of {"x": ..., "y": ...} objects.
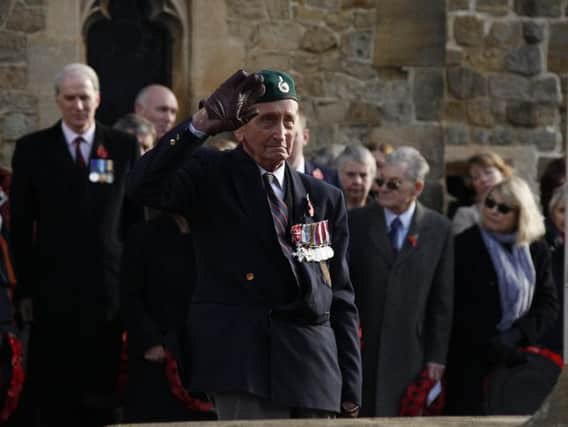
[
  {"x": 273, "y": 324},
  {"x": 401, "y": 263},
  {"x": 69, "y": 217},
  {"x": 303, "y": 165}
]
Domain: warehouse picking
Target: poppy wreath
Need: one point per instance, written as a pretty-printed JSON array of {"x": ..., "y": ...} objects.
[
  {"x": 415, "y": 396},
  {"x": 172, "y": 376},
  {"x": 11, "y": 375},
  {"x": 174, "y": 381}
]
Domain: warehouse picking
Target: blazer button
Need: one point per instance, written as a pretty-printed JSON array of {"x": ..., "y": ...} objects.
[
  {"x": 249, "y": 276},
  {"x": 173, "y": 141}
]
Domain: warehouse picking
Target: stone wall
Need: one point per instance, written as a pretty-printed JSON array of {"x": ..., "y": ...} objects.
[
  {"x": 506, "y": 79},
  {"x": 37, "y": 37},
  {"x": 19, "y": 21}
]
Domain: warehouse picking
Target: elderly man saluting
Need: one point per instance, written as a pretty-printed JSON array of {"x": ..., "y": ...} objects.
[{"x": 273, "y": 324}]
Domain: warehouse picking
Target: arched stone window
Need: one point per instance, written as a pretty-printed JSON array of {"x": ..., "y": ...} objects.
[{"x": 133, "y": 43}]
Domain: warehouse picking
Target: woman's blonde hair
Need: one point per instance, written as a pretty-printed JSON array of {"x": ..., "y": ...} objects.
[{"x": 530, "y": 222}]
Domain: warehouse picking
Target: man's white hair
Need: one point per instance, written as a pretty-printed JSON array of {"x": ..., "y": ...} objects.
[
  {"x": 410, "y": 159},
  {"x": 77, "y": 69}
]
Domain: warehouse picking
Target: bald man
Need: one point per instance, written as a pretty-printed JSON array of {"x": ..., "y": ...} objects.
[{"x": 159, "y": 105}]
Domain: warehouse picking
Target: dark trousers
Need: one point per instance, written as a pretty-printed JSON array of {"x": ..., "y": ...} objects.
[{"x": 242, "y": 406}]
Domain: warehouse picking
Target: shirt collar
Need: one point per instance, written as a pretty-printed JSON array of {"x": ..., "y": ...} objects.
[
  {"x": 301, "y": 166},
  {"x": 70, "y": 135},
  {"x": 405, "y": 217},
  {"x": 278, "y": 173}
]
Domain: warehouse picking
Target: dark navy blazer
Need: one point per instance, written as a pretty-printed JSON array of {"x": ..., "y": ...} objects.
[{"x": 254, "y": 328}]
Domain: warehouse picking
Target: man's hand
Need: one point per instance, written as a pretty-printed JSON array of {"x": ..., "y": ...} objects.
[
  {"x": 349, "y": 410},
  {"x": 231, "y": 105},
  {"x": 156, "y": 354},
  {"x": 435, "y": 370}
]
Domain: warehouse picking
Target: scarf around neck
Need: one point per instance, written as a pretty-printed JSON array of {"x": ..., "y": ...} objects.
[{"x": 516, "y": 275}]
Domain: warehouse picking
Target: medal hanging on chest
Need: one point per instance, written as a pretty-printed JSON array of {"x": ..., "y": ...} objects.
[
  {"x": 312, "y": 241},
  {"x": 101, "y": 171}
]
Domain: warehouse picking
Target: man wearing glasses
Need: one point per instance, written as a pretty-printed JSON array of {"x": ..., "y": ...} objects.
[{"x": 401, "y": 264}]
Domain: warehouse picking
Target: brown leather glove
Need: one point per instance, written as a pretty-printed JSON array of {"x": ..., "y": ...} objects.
[{"x": 230, "y": 106}]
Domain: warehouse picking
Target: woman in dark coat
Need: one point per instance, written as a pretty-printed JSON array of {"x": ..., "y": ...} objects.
[
  {"x": 505, "y": 297},
  {"x": 158, "y": 269}
]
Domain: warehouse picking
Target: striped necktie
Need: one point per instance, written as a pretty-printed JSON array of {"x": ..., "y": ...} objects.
[
  {"x": 79, "y": 159},
  {"x": 279, "y": 211}
]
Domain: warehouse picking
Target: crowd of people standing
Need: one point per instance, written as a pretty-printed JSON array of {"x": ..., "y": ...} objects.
[{"x": 242, "y": 280}]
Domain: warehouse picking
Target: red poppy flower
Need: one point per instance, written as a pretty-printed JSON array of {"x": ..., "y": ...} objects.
[
  {"x": 102, "y": 152},
  {"x": 413, "y": 240}
]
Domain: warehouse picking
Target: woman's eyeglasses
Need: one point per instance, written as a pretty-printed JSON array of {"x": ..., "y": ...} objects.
[
  {"x": 502, "y": 208},
  {"x": 392, "y": 184}
]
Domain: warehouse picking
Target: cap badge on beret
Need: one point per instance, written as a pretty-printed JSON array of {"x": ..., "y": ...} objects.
[{"x": 282, "y": 85}]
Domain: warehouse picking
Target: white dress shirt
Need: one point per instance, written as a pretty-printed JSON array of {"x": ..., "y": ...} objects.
[
  {"x": 279, "y": 186},
  {"x": 85, "y": 147}
]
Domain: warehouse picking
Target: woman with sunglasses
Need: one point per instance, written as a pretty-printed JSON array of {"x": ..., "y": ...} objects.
[
  {"x": 505, "y": 297},
  {"x": 485, "y": 170}
]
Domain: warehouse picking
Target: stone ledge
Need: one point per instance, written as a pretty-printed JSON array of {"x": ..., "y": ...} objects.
[{"x": 359, "y": 422}]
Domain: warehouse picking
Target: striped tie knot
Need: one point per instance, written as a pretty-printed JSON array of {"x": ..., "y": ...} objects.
[
  {"x": 79, "y": 159},
  {"x": 279, "y": 211}
]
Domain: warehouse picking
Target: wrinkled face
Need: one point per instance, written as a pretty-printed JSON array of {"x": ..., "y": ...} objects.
[
  {"x": 483, "y": 178},
  {"x": 269, "y": 137},
  {"x": 160, "y": 107},
  {"x": 498, "y": 214},
  {"x": 356, "y": 180},
  {"x": 557, "y": 215},
  {"x": 78, "y": 101},
  {"x": 396, "y": 191}
]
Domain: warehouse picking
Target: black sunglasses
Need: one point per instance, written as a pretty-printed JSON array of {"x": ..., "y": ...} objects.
[
  {"x": 502, "y": 208},
  {"x": 392, "y": 184}
]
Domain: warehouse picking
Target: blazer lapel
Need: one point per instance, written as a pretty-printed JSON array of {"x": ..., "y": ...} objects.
[
  {"x": 297, "y": 198},
  {"x": 252, "y": 196},
  {"x": 378, "y": 233}
]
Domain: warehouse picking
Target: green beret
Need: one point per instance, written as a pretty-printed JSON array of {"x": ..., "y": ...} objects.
[{"x": 279, "y": 85}]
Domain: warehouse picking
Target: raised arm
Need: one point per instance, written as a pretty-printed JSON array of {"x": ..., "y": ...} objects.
[{"x": 165, "y": 177}]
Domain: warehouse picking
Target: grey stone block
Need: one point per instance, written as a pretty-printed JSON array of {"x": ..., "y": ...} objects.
[
  {"x": 457, "y": 134},
  {"x": 502, "y": 136},
  {"x": 12, "y": 47},
  {"x": 17, "y": 125},
  {"x": 428, "y": 93},
  {"x": 511, "y": 87},
  {"x": 358, "y": 45},
  {"x": 533, "y": 32},
  {"x": 527, "y": 114},
  {"x": 465, "y": 83},
  {"x": 543, "y": 139},
  {"x": 547, "y": 88},
  {"x": 505, "y": 34},
  {"x": 538, "y": 8},
  {"x": 525, "y": 60},
  {"x": 480, "y": 136}
]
